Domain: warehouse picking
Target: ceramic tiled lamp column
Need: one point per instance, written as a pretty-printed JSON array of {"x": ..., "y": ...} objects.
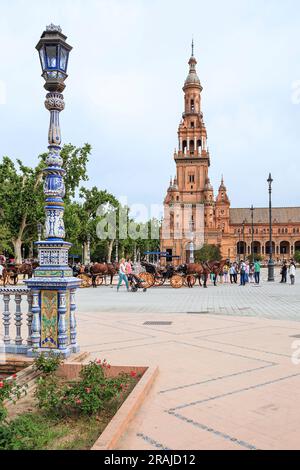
[{"x": 53, "y": 285}]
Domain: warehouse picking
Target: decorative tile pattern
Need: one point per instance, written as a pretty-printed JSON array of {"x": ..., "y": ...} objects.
[
  {"x": 49, "y": 333},
  {"x": 151, "y": 441},
  {"x": 216, "y": 433}
]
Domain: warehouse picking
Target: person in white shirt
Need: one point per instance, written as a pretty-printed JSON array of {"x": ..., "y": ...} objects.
[
  {"x": 1, "y": 270},
  {"x": 123, "y": 275},
  {"x": 292, "y": 272}
]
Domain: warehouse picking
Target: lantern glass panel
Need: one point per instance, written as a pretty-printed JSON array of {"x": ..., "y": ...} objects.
[
  {"x": 63, "y": 59},
  {"x": 51, "y": 57},
  {"x": 42, "y": 57}
]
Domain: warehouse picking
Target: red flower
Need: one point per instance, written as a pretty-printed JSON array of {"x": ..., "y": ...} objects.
[
  {"x": 132, "y": 373},
  {"x": 14, "y": 376},
  {"x": 78, "y": 402},
  {"x": 88, "y": 390},
  {"x": 1, "y": 384},
  {"x": 99, "y": 362}
]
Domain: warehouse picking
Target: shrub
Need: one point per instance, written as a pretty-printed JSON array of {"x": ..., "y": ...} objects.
[
  {"x": 48, "y": 364},
  {"x": 87, "y": 396},
  {"x": 11, "y": 391}
]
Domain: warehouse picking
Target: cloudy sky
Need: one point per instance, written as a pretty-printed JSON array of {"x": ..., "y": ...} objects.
[{"x": 124, "y": 92}]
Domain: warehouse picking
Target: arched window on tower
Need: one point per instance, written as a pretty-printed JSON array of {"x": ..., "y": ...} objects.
[
  {"x": 192, "y": 106},
  {"x": 192, "y": 147},
  {"x": 199, "y": 146},
  {"x": 184, "y": 146}
]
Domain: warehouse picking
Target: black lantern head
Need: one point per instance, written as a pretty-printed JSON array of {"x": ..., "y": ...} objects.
[{"x": 54, "y": 56}]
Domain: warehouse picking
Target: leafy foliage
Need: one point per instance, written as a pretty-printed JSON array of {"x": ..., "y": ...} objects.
[
  {"x": 47, "y": 364},
  {"x": 87, "y": 396},
  {"x": 208, "y": 253},
  {"x": 297, "y": 256},
  {"x": 21, "y": 192},
  {"x": 11, "y": 391}
]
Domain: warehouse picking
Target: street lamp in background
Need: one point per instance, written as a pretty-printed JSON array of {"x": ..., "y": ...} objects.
[
  {"x": 88, "y": 249},
  {"x": 192, "y": 245},
  {"x": 244, "y": 247},
  {"x": 271, "y": 261},
  {"x": 252, "y": 232},
  {"x": 53, "y": 286},
  {"x": 117, "y": 251},
  {"x": 39, "y": 231}
]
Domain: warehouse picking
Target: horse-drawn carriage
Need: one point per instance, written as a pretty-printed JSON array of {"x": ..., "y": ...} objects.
[
  {"x": 158, "y": 276},
  {"x": 11, "y": 272},
  {"x": 96, "y": 274},
  {"x": 183, "y": 275}
]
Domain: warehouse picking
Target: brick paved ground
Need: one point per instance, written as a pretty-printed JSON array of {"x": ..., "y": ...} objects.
[{"x": 226, "y": 377}]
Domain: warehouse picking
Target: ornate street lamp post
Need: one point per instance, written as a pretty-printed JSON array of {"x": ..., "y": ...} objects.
[
  {"x": 53, "y": 285},
  {"x": 39, "y": 231},
  {"x": 244, "y": 245},
  {"x": 117, "y": 251},
  {"x": 252, "y": 232},
  {"x": 192, "y": 246},
  {"x": 89, "y": 249},
  {"x": 271, "y": 261}
]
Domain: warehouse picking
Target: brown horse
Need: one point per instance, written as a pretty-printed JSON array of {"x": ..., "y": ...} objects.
[
  {"x": 104, "y": 269},
  {"x": 203, "y": 270},
  {"x": 5, "y": 276},
  {"x": 12, "y": 271}
]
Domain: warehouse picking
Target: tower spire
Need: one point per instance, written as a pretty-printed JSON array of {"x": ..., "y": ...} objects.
[{"x": 193, "y": 47}]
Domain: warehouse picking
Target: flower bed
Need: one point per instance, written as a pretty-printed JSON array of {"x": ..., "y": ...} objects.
[{"x": 72, "y": 404}]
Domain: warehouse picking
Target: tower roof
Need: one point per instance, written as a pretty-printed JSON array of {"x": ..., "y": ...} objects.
[{"x": 192, "y": 78}]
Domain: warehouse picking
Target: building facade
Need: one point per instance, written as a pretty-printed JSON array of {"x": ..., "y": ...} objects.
[{"x": 193, "y": 216}]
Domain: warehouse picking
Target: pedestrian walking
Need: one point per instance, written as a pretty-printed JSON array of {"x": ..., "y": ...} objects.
[
  {"x": 242, "y": 273},
  {"x": 292, "y": 272},
  {"x": 232, "y": 273},
  {"x": 122, "y": 275},
  {"x": 251, "y": 273},
  {"x": 247, "y": 272},
  {"x": 257, "y": 269},
  {"x": 226, "y": 270},
  {"x": 283, "y": 272}
]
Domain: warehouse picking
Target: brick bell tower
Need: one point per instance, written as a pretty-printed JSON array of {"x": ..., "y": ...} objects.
[{"x": 191, "y": 187}]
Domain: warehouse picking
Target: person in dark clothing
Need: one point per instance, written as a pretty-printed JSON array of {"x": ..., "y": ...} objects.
[{"x": 283, "y": 272}]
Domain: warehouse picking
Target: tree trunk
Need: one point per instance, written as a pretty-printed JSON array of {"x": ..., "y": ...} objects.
[
  {"x": 18, "y": 250},
  {"x": 110, "y": 249},
  {"x": 86, "y": 259}
]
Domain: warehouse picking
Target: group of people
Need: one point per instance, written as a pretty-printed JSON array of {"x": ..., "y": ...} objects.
[
  {"x": 288, "y": 269},
  {"x": 248, "y": 272}
]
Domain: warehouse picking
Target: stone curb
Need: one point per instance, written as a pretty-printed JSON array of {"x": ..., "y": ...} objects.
[{"x": 118, "y": 425}]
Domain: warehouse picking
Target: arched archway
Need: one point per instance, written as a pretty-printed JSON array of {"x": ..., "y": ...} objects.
[
  {"x": 267, "y": 250},
  {"x": 297, "y": 246},
  {"x": 285, "y": 248},
  {"x": 256, "y": 248},
  {"x": 241, "y": 248}
]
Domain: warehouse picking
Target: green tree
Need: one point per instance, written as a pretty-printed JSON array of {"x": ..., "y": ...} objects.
[
  {"x": 21, "y": 192},
  {"x": 297, "y": 256},
  {"x": 208, "y": 253}
]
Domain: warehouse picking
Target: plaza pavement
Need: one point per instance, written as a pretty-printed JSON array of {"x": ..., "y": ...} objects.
[{"x": 226, "y": 380}]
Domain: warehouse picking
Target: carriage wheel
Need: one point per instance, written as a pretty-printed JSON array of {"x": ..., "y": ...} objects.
[
  {"x": 148, "y": 280},
  {"x": 99, "y": 281},
  {"x": 192, "y": 280},
  {"x": 86, "y": 281},
  {"x": 177, "y": 281},
  {"x": 159, "y": 281}
]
